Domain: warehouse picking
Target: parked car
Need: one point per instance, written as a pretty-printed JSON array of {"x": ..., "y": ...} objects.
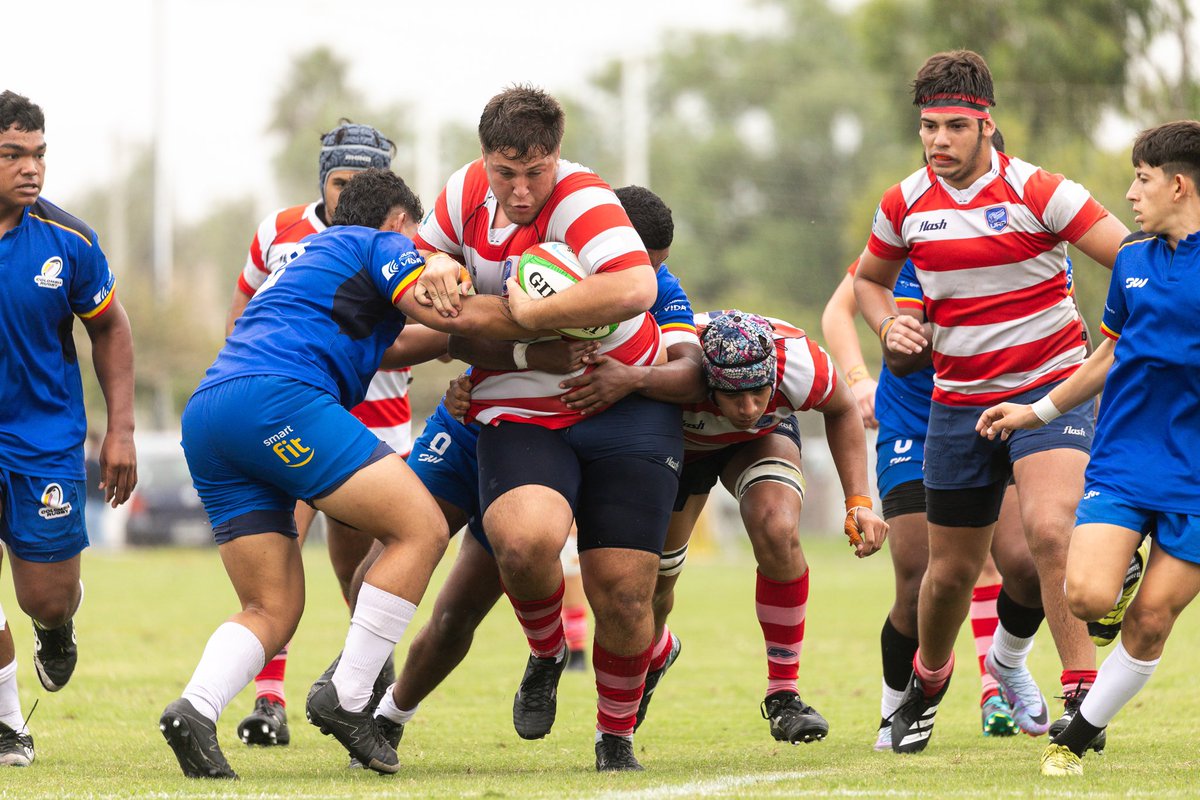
[{"x": 164, "y": 508}]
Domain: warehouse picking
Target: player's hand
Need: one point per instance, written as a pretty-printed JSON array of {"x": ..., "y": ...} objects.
[
  {"x": 438, "y": 285},
  {"x": 904, "y": 335},
  {"x": 457, "y": 399},
  {"x": 598, "y": 388},
  {"x": 560, "y": 356},
  {"x": 864, "y": 393},
  {"x": 1006, "y": 418},
  {"x": 520, "y": 305},
  {"x": 865, "y": 531},
  {"x": 118, "y": 467}
]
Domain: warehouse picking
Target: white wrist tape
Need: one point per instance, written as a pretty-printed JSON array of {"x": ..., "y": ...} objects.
[
  {"x": 1045, "y": 409},
  {"x": 521, "y": 355}
]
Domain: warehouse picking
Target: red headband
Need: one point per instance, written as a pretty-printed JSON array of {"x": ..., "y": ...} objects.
[{"x": 962, "y": 104}]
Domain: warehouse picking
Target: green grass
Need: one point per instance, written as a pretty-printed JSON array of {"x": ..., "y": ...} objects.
[{"x": 148, "y": 614}]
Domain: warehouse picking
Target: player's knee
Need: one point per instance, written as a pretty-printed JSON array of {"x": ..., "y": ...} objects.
[
  {"x": 948, "y": 580},
  {"x": 530, "y": 557},
  {"x": 451, "y": 624},
  {"x": 1089, "y": 600},
  {"x": 622, "y": 608}
]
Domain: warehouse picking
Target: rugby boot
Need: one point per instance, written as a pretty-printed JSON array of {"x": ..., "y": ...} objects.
[
  {"x": 54, "y": 654},
  {"x": 16, "y": 747},
  {"x": 536, "y": 701},
  {"x": 1029, "y": 707},
  {"x": 792, "y": 720},
  {"x": 912, "y": 722},
  {"x": 356, "y": 730},
  {"x": 652, "y": 679},
  {"x": 194, "y": 739},
  {"x": 615, "y": 754},
  {"x": 266, "y": 726}
]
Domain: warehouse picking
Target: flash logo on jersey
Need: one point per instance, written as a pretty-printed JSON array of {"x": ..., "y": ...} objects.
[
  {"x": 53, "y": 506},
  {"x": 48, "y": 279}
]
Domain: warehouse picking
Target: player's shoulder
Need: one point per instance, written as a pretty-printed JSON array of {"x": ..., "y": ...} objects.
[
  {"x": 67, "y": 226},
  {"x": 902, "y": 196},
  {"x": 1137, "y": 238}
]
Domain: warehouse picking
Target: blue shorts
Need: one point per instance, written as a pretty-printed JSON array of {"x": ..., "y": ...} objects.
[
  {"x": 701, "y": 473},
  {"x": 1177, "y": 534},
  {"x": 42, "y": 519},
  {"x": 957, "y": 457},
  {"x": 443, "y": 457},
  {"x": 898, "y": 461},
  {"x": 257, "y": 444}
]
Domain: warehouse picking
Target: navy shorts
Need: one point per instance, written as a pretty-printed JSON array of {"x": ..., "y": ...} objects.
[
  {"x": 700, "y": 474},
  {"x": 42, "y": 518},
  {"x": 257, "y": 444},
  {"x": 618, "y": 470},
  {"x": 898, "y": 461},
  {"x": 957, "y": 457},
  {"x": 443, "y": 458}
]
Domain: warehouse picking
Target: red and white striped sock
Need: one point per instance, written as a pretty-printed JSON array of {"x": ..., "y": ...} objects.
[
  {"x": 619, "y": 684},
  {"x": 541, "y": 620},
  {"x": 781, "y": 607},
  {"x": 983, "y": 626},
  {"x": 575, "y": 626},
  {"x": 932, "y": 680},
  {"x": 269, "y": 682},
  {"x": 661, "y": 649}
]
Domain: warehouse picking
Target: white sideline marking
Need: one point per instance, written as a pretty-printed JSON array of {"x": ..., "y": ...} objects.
[{"x": 712, "y": 788}]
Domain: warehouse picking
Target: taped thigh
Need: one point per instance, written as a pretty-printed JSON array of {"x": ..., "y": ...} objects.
[
  {"x": 772, "y": 469},
  {"x": 672, "y": 563}
]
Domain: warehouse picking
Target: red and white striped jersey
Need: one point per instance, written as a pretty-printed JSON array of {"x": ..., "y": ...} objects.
[
  {"x": 992, "y": 262},
  {"x": 583, "y": 212},
  {"x": 804, "y": 378},
  {"x": 386, "y": 410}
]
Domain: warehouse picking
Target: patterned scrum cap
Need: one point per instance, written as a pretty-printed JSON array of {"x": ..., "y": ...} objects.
[
  {"x": 353, "y": 146},
  {"x": 739, "y": 352}
]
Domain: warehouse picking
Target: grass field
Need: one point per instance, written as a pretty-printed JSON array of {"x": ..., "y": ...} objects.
[{"x": 148, "y": 614}]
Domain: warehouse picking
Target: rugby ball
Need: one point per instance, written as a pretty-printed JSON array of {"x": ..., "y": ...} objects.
[{"x": 548, "y": 268}]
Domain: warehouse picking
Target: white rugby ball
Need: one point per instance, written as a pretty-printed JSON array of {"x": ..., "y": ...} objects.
[{"x": 548, "y": 268}]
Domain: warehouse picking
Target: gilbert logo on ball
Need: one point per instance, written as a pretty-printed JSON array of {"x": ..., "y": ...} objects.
[{"x": 548, "y": 268}]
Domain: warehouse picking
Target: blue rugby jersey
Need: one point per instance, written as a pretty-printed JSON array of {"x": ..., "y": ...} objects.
[
  {"x": 1147, "y": 446},
  {"x": 902, "y": 404},
  {"x": 325, "y": 318},
  {"x": 51, "y": 270}
]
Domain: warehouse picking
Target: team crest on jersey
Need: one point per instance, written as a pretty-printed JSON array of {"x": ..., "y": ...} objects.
[
  {"x": 51, "y": 269},
  {"x": 53, "y": 506},
  {"x": 997, "y": 218}
]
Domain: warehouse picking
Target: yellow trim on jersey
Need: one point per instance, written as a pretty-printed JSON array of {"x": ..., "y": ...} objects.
[
  {"x": 60, "y": 225},
  {"x": 678, "y": 326},
  {"x": 98, "y": 310},
  {"x": 911, "y": 302},
  {"x": 408, "y": 281},
  {"x": 1109, "y": 332}
]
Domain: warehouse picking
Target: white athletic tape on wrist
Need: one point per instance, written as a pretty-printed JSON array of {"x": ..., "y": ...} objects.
[
  {"x": 521, "y": 355},
  {"x": 775, "y": 470},
  {"x": 672, "y": 563},
  {"x": 1045, "y": 410}
]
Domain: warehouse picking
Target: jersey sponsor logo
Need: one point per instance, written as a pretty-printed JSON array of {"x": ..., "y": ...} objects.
[
  {"x": 289, "y": 448},
  {"x": 940, "y": 225},
  {"x": 997, "y": 218},
  {"x": 389, "y": 270},
  {"x": 1070, "y": 431},
  {"x": 429, "y": 458},
  {"x": 899, "y": 460},
  {"x": 775, "y": 651},
  {"x": 903, "y": 446},
  {"x": 53, "y": 506},
  {"x": 673, "y": 463},
  {"x": 1091, "y": 494},
  {"x": 1135, "y": 283},
  {"x": 51, "y": 269}
]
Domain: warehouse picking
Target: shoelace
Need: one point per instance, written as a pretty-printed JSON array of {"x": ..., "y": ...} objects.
[{"x": 21, "y": 735}]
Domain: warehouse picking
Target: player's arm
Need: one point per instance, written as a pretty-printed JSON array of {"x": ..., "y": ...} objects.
[
  {"x": 1103, "y": 239},
  {"x": 440, "y": 285},
  {"x": 112, "y": 357},
  {"x": 848, "y": 446},
  {"x": 484, "y": 316},
  {"x": 679, "y": 380},
  {"x": 873, "y": 289},
  {"x": 416, "y": 344},
  {"x": 236, "y": 306},
  {"x": 841, "y": 338},
  {"x": 1084, "y": 384},
  {"x": 901, "y": 364},
  {"x": 601, "y": 298},
  {"x": 558, "y": 355}
]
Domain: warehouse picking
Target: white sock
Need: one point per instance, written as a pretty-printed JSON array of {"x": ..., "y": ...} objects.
[
  {"x": 1120, "y": 677},
  {"x": 1009, "y": 650},
  {"x": 380, "y": 619},
  {"x": 10, "y": 702},
  {"x": 889, "y": 700},
  {"x": 388, "y": 708},
  {"x": 231, "y": 659}
]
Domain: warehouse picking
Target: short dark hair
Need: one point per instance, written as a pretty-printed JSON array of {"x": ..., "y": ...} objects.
[
  {"x": 522, "y": 122},
  {"x": 1174, "y": 146},
  {"x": 650, "y": 216},
  {"x": 371, "y": 195},
  {"x": 17, "y": 111},
  {"x": 954, "y": 72}
]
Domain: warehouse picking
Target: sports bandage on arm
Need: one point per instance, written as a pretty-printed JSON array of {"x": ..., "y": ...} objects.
[
  {"x": 851, "y": 527},
  {"x": 885, "y": 326},
  {"x": 856, "y": 374},
  {"x": 1045, "y": 410},
  {"x": 521, "y": 355}
]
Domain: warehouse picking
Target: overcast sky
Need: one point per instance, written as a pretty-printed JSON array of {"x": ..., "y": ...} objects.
[{"x": 91, "y": 66}]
